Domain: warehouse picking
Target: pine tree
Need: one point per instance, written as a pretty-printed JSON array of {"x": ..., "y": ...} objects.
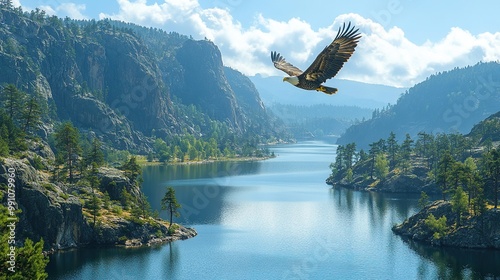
[
  {"x": 349, "y": 152},
  {"x": 392, "y": 149},
  {"x": 68, "y": 147},
  {"x": 459, "y": 203},
  {"x": 471, "y": 179},
  {"x": 7, "y": 4},
  {"x": 169, "y": 203},
  {"x": 444, "y": 173},
  {"x": 424, "y": 147},
  {"x": 405, "y": 154},
  {"x": 13, "y": 101},
  {"x": 31, "y": 115},
  {"x": 132, "y": 170},
  {"x": 492, "y": 172},
  {"x": 95, "y": 153},
  {"x": 423, "y": 200}
]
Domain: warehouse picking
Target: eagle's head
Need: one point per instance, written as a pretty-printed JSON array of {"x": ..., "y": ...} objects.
[{"x": 294, "y": 80}]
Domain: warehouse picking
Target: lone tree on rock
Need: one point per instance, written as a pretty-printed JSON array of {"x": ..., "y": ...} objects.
[{"x": 169, "y": 202}]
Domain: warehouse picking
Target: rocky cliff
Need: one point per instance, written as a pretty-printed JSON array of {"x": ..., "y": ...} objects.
[
  {"x": 120, "y": 80},
  {"x": 481, "y": 231},
  {"x": 206, "y": 83}
]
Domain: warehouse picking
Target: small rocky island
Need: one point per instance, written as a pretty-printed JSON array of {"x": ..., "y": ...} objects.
[{"x": 438, "y": 224}]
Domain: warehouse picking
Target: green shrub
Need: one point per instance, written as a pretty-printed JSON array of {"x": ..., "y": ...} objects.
[
  {"x": 117, "y": 209},
  {"x": 37, "y": 163},
  {"x": 49, "y": 187},
  {"x": 438, "y": 226},
  {"x": 173, "y": 228}
]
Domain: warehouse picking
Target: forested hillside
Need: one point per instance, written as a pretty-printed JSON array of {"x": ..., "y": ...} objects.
[
  {"x": 128, "y": 84},
  {"x": 319, "y": 120},
  {"x": 447, "y": 102}
]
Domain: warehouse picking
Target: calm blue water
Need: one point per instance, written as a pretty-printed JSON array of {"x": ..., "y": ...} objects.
[{"x": 276, "y": 219}]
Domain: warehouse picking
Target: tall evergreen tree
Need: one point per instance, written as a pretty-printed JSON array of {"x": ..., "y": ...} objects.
[
  {"x": 68, "y": 147},
  {"x": 7, "y": 4},
  {"x": 349, "y": 152},
  {"x": 132, "y": 170},
  {"x": 424, "y": 147},
  {"x": 95, "y": 154},
  {"x": 392, "y": 149},
  {"x": 31, "y": 115},
  {"x": 492, "y": 171},
  {"x": 405, "y": 153},
  {"x": 459, "y": 203},
  {"x": 13, "y": 101},
  {"x": 471, "y": 180},
  {"x": 169, "y": 203},
  {"x": 444, "y": 173}
]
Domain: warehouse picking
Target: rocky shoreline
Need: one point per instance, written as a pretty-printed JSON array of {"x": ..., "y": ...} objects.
[
  {"x": 55, "y": 212},
  {"x": 181, "y": 234},
  {"x": 474, "y": 232},
  {"x": 415, "y": 181}
]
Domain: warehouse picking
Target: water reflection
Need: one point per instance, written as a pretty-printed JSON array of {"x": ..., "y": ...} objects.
[
  {"x": 201, "y": 189},
  {"x": 118, "y": 262},
  {"x": 456, "y": 263},
  {"x": 382, "y": 209},
  {"x": 172, "y": 258}
]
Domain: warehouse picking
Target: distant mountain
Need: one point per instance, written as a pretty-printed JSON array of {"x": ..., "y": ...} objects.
[
  {"x": 273, "y": 90},
  {"x": 316, "y": 121},
  {"x": 126, "y": 82},
  {"x": 452, "y": 101}
]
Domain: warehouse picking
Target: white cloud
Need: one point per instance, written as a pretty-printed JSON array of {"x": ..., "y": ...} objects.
[
  {"x": 171, "y": 11},
  {"x": 67, "y": 9},
  {"x": 388, "y": 57},
  {"x": 383, "y": 56},
  {"x": 72, "y": 10}
]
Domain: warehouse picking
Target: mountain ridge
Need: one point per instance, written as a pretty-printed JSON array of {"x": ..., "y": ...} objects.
[{"x": 448, "y": 102}]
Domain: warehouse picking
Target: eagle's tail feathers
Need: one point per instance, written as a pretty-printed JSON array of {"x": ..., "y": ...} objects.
[{"x": 327, "y": 90}]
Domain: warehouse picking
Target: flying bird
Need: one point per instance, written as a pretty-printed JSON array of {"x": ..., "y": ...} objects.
[{"x": 326, "y": 65}]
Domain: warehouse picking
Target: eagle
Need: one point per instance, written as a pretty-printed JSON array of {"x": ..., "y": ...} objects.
[{"x": 326, "y": 65}]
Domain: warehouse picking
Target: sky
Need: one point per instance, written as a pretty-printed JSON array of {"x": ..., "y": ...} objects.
[{"x": 403, "y": 41}]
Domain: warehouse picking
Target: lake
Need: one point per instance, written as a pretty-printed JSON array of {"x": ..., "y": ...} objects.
[{"x": 277, "y": 219}]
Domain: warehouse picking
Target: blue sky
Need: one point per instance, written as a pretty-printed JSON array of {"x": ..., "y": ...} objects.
[{"x": 404, "y": 41}]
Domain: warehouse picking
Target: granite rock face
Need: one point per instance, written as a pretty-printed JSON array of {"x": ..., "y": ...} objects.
[
  {"x": 120, "y": 82},
  {"x": 44, "y": 212}
]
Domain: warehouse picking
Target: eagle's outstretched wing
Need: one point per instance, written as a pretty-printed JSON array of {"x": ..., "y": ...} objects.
[
  {"x": 328, "y": 63},
  {"x": 281, "y": 64}
]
